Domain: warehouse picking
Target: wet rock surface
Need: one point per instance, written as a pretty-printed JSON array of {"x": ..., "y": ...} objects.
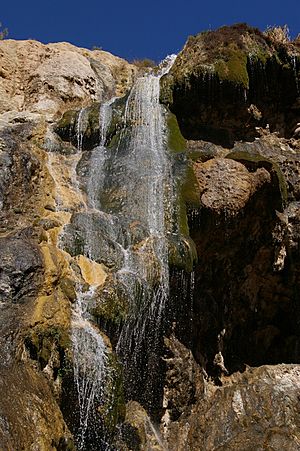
[
  {"x": 20, "y": 268},
  {"x": 38, "y": 280},
  {"x": 232, "y": 351}
]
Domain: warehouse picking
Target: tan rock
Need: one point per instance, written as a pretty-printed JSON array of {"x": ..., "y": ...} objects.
[
  {"x": 254, "y": 410},
  {"x": 92, "y": 272},
  {"x": 148, "y": 434},
  {"x": 52, "y": 78},
  {"x": 226, "y": 185}
]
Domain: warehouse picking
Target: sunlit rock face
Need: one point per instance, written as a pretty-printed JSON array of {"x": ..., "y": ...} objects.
[
  {"x": 38, "y": 281},
  {"x": 51, "y": 78}
]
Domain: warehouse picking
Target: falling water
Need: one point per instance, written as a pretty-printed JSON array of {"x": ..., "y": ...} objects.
[
  {"x": 90, "y": 359},
  {"x": 90, "y": 354},
  {"x": 137, "y": 175},
  {"x": 294, "y": 65},
  {"x": 98, "y": 157},
  {"x": 80, "y": 129},
  {"x": 145, "y": 177}
]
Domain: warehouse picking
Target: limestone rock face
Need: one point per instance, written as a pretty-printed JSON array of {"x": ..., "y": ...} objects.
[
  {"x": 231, "y": 352},
  {"x": 226, "y": 184},
  {"x": 228, "y": 363},
  {"x": 256, "y": 409},
  {"x": 52, "y": 78},
  {"x": 20, "y": 265},
  {"x": 38, "y": 279}
]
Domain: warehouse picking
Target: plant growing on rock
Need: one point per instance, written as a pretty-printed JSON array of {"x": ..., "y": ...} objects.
[
  {"x": 3, "y": 32},
  {"x": 143, "y": 63}
]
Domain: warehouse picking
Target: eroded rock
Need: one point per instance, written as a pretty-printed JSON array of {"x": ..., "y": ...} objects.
[
  {"x": 226, "y": 185},
  {"x": 253, "y": 410},
  {"x": 51, "y": 78}
]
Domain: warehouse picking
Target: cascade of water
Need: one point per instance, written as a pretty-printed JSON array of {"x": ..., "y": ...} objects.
[
  {"x": 147, "y": 167},
  {"x": 90, "y": 354},
  {"x": 294, "y": 65},
  {"x": 80, "y": 129},
  {"x": 141, "y": 171},
  {"x": 98, "y": 157},
  {"x": 90, "y": 363},
  {"x": 89, "y": 350}
]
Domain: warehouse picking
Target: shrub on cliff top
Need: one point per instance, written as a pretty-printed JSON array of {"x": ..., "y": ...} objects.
[
  {"x": 3, "y": 32},
  {"x": 143, "y": 63}
]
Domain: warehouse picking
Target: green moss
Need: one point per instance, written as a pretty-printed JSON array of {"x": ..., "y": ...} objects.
[
  {"x": 176, "y": 142},
  {"x": 182, "y": 253},
  {"x": 112, "y": 410},
  {"x": 66, "y": 127},
  {"x": 188, "y": 196},
  {"x": 112, "y": 305},
  {"x": 93, "y": 120},
  {"x": 181, "y": 249},
  {"x": 166, "y": 90},
  {"x": 40, "y": 341},
  {"x": 67, "y": 121},
  {"x": 190, "y": 189},
  {"x": 254, "y": 161},
  {"x": 233, "y": 66}
]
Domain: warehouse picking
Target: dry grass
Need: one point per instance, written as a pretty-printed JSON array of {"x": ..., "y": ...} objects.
[
  {"x": 278, "y": 34},
  {"x": 143, "y": 63}
]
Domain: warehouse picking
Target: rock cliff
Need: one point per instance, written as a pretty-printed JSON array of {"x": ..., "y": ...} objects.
[
  {"x": 227, "y": 361},
  {"x": 235, "y": 95},
  {"x": 38, "y": 83}
]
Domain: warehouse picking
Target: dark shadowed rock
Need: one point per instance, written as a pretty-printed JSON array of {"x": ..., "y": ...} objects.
[{"x": 20, "y": 268}]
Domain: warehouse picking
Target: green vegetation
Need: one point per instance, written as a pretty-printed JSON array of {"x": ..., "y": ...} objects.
[
  {"x": 176, "y": 141},
  {"x": 182, "y": 252},
  {"x": 112, "y": 304},
  {"x": 113, "y": 409},
  {"x": 3, "y": 32},
  {"x": 233, "y": 66}
]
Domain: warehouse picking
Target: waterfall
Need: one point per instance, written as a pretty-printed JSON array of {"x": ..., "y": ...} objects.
[
  {"x": 145, "y": 174},
  {"x": 90, "y": 354},
  {"x": 129, "y": 189},
  {"x": 98, "y": 157}
]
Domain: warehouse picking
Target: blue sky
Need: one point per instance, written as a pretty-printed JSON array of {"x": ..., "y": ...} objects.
[{"x": 135, "y": 28}]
